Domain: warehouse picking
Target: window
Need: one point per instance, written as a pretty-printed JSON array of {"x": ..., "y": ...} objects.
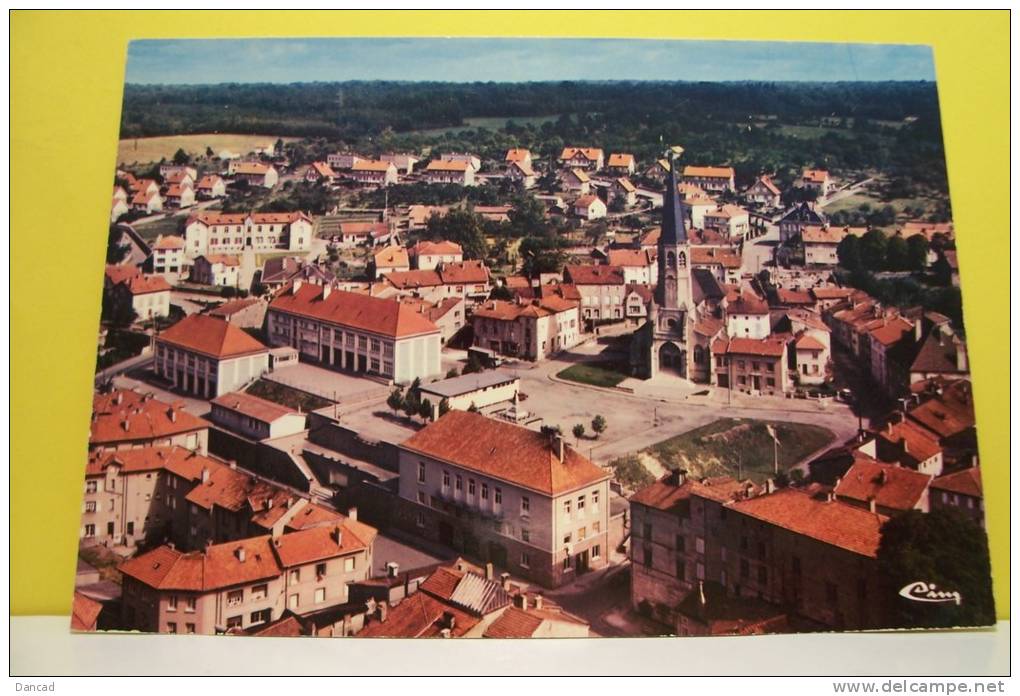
[
  {"x": 320, "y": 595},
  {"x": 171, "y": 603},
  {"x": 349, "y": 564},
  {"x": 681, "y": 570},
  {"x": 566, "y": 563},
  {"x": 420, "y": 519},
  {"x": 320, "y": 570},
  {"x": 595, "y": 500},
  {"x": 700, "y": 571},
  {"x": 90, "y": 506},
  {"x": 525, "y": 560},
  {"x": 485, "y": 491},
  {"x": 295, "y": 575},
  {"x": 189, "y": 604},
  {"x": 91, "y": 486},
  {"x": 596, "y": 552},
  {"x": 471, "y": 487},
  {"x": 260, "y": 591},
  {"x": 234, "y": 622},
  {"x": 446, "y": 479},
  {"x": 171, "y": 627},
  {"x": 421, "y": 472},
  {"x": 261, "y": 616},
  {"x": 582, "y": 533},
  {"x": 234, "y": 597},
  {"x": 526, "y": 535},
  {"x": 646, "y": 530},
  {"x": 130, "y": 528},
  {"x": 458, "y": 483},
  {"x": 421, "y": 497},
  {"x": 566, "y": 507},
  {"x": 525, "y": 504},
  {"x": 567, "y": 538},
  {"x": 90, "y": 530},
  {"x": 497, "y": 493},
  {"x": 596, "y": 527},
  {"x": 648, "y": 555},
  {"x": 580, "y": 504},
  {"x": 189, "y": 628},
  {"x": 681, "y": 544},
  {"x": 699, "y": 545},
  {"x": 294, "y": 601}
]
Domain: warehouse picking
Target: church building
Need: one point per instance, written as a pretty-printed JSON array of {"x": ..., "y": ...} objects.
[{"x": 665, "y": 342}]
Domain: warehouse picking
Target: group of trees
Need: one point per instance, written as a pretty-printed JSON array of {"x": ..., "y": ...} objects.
[
  {"x": 876, "y": 251},
  {"x": 411, "y": 404}
]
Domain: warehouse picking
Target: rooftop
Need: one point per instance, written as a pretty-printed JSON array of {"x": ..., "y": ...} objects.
[
  {"x": 211, "y": 336},
  {"x": 465, "y": 384}
]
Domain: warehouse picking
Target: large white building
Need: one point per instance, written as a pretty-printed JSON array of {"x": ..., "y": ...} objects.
[
  {"x": 230, "y": 233},
  {"x": 355, "y": 332},
  {"x": 208, "y": 357},
  {"x": 521, "y": 499}
]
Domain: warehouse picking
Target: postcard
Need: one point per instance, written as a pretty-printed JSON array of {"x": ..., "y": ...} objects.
[{"x": 524, "y": 338}]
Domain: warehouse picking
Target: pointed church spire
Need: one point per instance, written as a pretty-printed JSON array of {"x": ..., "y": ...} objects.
[{"x": 674, "y": 230}]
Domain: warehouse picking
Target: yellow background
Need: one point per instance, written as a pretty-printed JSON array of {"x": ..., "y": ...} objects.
[{"x": 67, "y": 72}]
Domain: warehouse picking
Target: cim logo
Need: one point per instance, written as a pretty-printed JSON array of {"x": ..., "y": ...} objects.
[{"x": 927, "y": 592}]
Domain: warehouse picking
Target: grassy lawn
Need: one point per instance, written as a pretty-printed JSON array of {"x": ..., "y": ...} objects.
[
  {"x": 144, "y": 150},
  {"x": 166, "y": 226},
  {"x": 291, "y": 398},
  {"x": 596, "y": 374},
  {"x": 723, "y": 446}
]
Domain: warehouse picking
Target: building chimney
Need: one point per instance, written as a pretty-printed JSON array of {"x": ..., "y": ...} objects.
[
  {"x": 239, "y": 552},
  {"x": 297, "y": 285},
  {"x": 521, "y": 601},
  {"x": 326, "y": 289},
  {"x": 677, "y": 477},
  {"x": 444, "y": 633},
  {"x": 338, "y": 535},
  {"x": 701, "y": 592},
  {"x": 449, "y": 620},
  {"x": 488, "y": 571},
  {"x": 961, "y": 356},
  {"x": 538, "y": 601},
  {"x": 126, "y": 424},
  {"x": 392, "y": 569},
  {"x": 770, "y": 486},
  {"x": 383, "y": 612},
  {"x": 172, "y": 414},
  {"x": 205, "y": 474},
  {"x": 233, "y": 465},
  {"x": 871, "y": 504},
  {"x": 504, "y": 580},
  {"x": 352, "y": 514},
  {"x": 267, "y": 504},
  {"x": 883, "y": 477}
]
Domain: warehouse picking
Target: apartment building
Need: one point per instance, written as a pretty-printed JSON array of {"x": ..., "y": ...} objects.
[
  {"x": 533, "y": 330},
  {"x": 231, "y": 233},
  {"x": 123, "y": 419}
]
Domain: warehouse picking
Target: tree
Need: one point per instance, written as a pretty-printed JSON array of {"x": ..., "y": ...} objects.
[
  {"x": 578, "y": 432},
  {"x": 181, "y": 157},
  {"x": 410, "y": 405},
  {"x": 527, "y": 216},
  {"x": 463, "y": 227},
  {"x": 873, "y": 246},
  {"x": 395, "y": 400},
  {"x": 917, "y": 253},
  {"x": 209, "y": 152},
  {"x": 425, "y": 410},
  {"x": 943, "y": 548},
  {"x": 444, "y": 407},
  {"x": 897, "y": 256},
  {"x": 599, "y": 425},
  {"x": 501, "y": 292},
  {"x": 452, "y": 372},
  {"x": 541, "y": 255},
  {"x": 472, "y": 408},
  {"x": 849, "y": 252}
]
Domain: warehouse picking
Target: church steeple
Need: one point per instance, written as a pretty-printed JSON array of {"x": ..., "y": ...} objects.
[{"x": 674, "y": 230}]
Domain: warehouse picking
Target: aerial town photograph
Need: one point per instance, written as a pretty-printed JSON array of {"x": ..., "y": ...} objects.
[{"x": 530, "y": 338}]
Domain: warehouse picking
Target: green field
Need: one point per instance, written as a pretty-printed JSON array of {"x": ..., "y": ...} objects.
[
  {"x": 286, "y": 396},
  {"x": 739, "y": 447},
  {"x": 145, "y": 150},
  {"x": 486, "y": 123},
  {"x": 595, "y": 374},
  {"x": 165, "y": 226}
]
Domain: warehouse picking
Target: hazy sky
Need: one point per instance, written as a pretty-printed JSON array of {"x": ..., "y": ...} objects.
[{"x": 195, "y": 61}]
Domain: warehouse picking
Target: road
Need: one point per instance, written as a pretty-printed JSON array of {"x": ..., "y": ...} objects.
[{"x": 139, "y": 361}]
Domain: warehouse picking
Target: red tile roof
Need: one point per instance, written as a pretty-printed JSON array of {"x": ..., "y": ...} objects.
[
  {"x": 667, "y": 496},
  {"x": 509, "y": 311},
  {"x": 747, "y": 303},
  {"x": 207, "y": 218},
  {"x": 84, "y": 612},
  {"x": 144, "y": 285},
  {"x": 708, "y": 172},
  {"x": 524, "y": 623},
  {"x": 391, "y": 256},
  {"x": 620, "y": 159},
  {"x": 251, "y": 168},
  {"x": 323, "y": 170},
  {"x": 372, "y": 166},
  {"x": 471, "y": 271},
  {"x": 920, "y": 443},
  {"x": 892, "y": 331},
  {"x": 590, "y": 274},
  {"x": 169, "y": 242},
  {"x": 817, "y": 176},
  {"x": 630, "y": 257},
  {"x": 123, "y": 416},
  {"x": 229, "y": 309},
  {"x": 221, "y": 566},
  {"x": 440, "y": 248},
  {"x": 831, "y": 293},
  {"x": 447, "y": 166},
  {"x": 118, "y": 274},
  {"x": 517, "y": 154},
  {"x": 765, "y": 347},
  {"x": 589, "y": 153},
  {"x": 208, "y": 181},
  {"x": 711, "y": 256},
  {"x": 807, "y": 342},
  {"x": 177, "y": 460},
  {"x": 504, "y": 451},
  {"x": 252, "y": 406},
  {"x": 833, "y": 523},
  {"x": 966, "y": 482},
  {"x": 211, "y": 336},
  {"x": 420, "y": 616},
  {"x": 890, "y": 486},
  {"x": 949, "y": 412},
  {"x": 376, "y": 315},
  {"x": 586, "y": 201},
  {"x": 408, "y": 280}
]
